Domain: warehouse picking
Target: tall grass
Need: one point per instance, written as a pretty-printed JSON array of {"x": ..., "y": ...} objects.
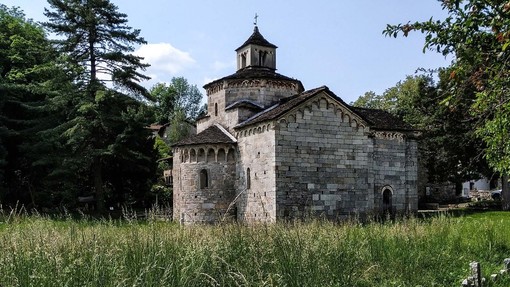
[{"x": 38, "y": 251}]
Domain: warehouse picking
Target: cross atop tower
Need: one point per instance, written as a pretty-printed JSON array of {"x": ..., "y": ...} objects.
[{"x": 256, "y": 52}]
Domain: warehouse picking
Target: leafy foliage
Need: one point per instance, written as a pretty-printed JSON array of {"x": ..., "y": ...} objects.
[
  {"x": 177, "y": 106},
  {"x": 178, "y": 99},
  {"x": 28, "y": 67},
  {"x": 476, "y": 33}
]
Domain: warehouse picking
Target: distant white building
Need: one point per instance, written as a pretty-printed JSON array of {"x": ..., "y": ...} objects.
[{"x": 480, "y": 184}]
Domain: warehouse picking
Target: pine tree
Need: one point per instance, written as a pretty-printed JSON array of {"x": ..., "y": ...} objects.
[{"x": 96, "y": 39}]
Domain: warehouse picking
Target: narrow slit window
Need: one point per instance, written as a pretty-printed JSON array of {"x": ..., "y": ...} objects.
[
  {"x": 243, "y": 61},
  {"x": 204, "y": 179},
  {"x": 248, "y": 178}
]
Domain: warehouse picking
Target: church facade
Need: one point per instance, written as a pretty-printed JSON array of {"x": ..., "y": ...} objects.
[{"x": 268, "y": 150}]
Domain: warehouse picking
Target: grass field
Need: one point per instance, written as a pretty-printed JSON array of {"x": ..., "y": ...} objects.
[{"x": 39, "y": 251}]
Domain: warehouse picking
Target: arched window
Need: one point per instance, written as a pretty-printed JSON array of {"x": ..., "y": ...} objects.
[
  {"x": 201, "y": 155},
  {"x": 185, "y": 156},
  {"x": 248, "y": 178},
  {"x": 215, "y": 109},
  {"x": 204, "y": 179},
  {"x": 231, "y": 157},
  {"x": 211, "y": 155},
  {"x": 243, "y": 60},
  {"x": 192, "y": 155},
  {"x": 221, "y": 155},
  {"x": 262, "y": 58}
]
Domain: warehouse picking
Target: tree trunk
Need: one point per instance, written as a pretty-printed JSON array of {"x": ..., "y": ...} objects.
[
  {"x": 98, "y": 184},
  {"x": 505, "y": 192}
]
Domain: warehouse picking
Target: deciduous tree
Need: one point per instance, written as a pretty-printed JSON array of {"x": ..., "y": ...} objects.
[
  {"x": 476, "y": 33},
  {"x": 176, "y": 98}
]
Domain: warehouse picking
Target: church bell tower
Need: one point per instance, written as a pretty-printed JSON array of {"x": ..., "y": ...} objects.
[
  {"x": 254, "y": 86},
  {"x": 256, "y": 52}
]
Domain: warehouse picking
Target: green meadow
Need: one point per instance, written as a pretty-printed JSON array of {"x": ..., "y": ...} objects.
[{"x": 436, "y": 251}]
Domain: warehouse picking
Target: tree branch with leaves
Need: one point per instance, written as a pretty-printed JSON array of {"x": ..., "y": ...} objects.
[{"x": 477, "y": 34}]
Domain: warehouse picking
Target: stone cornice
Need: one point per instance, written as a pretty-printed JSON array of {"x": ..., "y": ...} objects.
[{"x": 253, "y": 83}]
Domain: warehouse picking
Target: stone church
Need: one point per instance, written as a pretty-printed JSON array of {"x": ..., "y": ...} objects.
[{"x": 269, "y": 150}]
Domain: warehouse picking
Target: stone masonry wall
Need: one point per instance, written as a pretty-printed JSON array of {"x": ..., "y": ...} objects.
[
  {"x": 323, "y": 158},
  {"x": 194, "y": 203},
  {"x": 257, "y": 202},
  {"x": 412, "y": 166},
  {"x": 395, "y": 166},
  {"x": 214, "y": 101},
  {"x": 262, "y": 92}
]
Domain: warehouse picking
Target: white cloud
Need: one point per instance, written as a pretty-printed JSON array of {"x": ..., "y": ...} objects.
[{"x": 164, "y": 58}]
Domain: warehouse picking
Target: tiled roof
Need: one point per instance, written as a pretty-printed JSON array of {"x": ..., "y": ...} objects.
[
  {"x": 377, "y": 119},
  {"x": 257, "y": 39},
  {"x": 382, "y": 120},
  {"x": 245, "y": 104},
  {"x": 256, "y": 73},
  {"x": 212, "y": 135}
]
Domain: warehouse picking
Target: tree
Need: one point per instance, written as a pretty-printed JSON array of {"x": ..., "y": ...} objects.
[
  {"x": 476, "y": 33},
  {"x": 177, "y": 105},
  {"x": 175, "y": 98},
  {"x": 95, "y": 38},
  {"x": 27, "y": 70},
  {"x": 369, "y": 100}
]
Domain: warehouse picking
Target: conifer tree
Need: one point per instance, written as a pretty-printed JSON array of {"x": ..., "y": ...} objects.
[
  {"x": 27, "y": 66},
  {"x": 95, "y": 38}
]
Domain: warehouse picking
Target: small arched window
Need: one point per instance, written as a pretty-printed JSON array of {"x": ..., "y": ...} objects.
[
  {"x": 221, "y": 155},
  {"x": 262, "y": 58},
  {"x": 248, "y": 178},
  {"x": 243, "y": 60},
  {"x": 201, "y": 155},
  {"x": 215, "y": 109},
  {"x": 231, "y": 155},
  {"x": 192, "y": 155},
  {"x": 204, "y": 179},
  {"x": 211, "y": 155}
]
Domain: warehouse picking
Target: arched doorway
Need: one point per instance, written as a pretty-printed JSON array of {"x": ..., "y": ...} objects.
[{"x": 387, "y": 198}]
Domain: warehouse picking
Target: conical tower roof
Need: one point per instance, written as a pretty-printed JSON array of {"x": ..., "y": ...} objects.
[{"x": 257, "y": 39}]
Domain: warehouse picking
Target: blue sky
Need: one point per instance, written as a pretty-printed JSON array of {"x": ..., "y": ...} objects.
[{"x": 337, "y": 43}]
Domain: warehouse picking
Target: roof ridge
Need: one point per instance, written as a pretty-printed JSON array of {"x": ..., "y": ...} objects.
[
  {"x": 283, "y": 102},
  {"x": 211, "y": 135},
  {"x": 244, "y": 101},
  {"x": 226, "y": 132},
  {"x": 257, "y": 114}
]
